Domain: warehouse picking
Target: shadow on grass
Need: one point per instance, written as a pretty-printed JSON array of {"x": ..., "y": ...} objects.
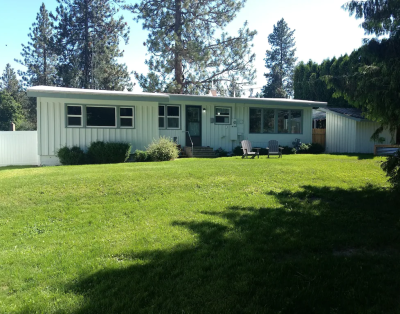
[
  {"x": 16, "y": 167},
  {"x": 359, "y": 156},
  {"x": 322, "y": 251}
]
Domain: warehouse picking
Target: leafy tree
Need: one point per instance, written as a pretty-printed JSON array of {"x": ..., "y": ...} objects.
[
  {"x": 370, "y": 77},
  {"x": 309, "y": 83},
  {"x": 9, "y": 84},
  {"x": 10, "y": 111},
  {"x": 38, "y": 55},
  {"x": 87, "y": 44},
  {"x": 280, "y": 61},
  {"x": 186, "y": 55}
]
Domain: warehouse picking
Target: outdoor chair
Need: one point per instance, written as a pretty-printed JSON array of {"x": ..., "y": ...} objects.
[
  {"x": 274, "y": 149},
  {"x": 248, "y": 149}
]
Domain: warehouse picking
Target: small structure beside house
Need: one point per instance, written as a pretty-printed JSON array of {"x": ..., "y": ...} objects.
[
  {"x": 68, "y": 117},
  {"x": 347, "y": 131}
]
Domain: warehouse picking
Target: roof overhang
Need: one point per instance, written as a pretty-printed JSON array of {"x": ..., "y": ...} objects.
[
  {"x": 345, "y": 116},
  {"x": 76, "y": 93}
]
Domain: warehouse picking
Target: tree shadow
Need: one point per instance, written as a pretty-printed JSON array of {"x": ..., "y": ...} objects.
[
  {"x": 322, "y": 250},
  {"x": 359, "y": 156},
  {"x": 2, "y": 168}
]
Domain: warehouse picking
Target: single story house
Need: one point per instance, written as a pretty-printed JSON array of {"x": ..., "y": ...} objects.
[
  {"x": 347, "y": 131},
  {"x": 68, "y": 117}
]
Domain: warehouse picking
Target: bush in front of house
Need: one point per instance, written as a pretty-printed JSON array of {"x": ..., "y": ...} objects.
[
  {"x": 237, "y": 151},
  {"x": 162, "y": 149},
  {"x": 392, "y": 168},
  {"x": 71, "y": 156},
  {"x": 316, "y": 148},
  {"x": 140, "y": 156},
  {"x": 220, "y": 152},
  {"x": 100, "y": 152}
]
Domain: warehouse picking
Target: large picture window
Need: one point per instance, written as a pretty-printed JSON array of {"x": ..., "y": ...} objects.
[
  {"x": 101, "y": 116},
  {"x": 222, "y": 115},
  {"x": 275, "y": 121},
  {"x": 169, "y": 116}
]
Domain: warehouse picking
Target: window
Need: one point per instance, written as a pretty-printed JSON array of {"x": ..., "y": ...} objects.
[
  {"x": 281, "y": 121},
  {"x": 169, "y": 116},
  {"x": 222, "y": 115},
  {"x": 74, "y": 115},
  {"x": 101, "y": 116},
  {"x": 161, "y": 117},
  {"x": 126, "y": 117}
]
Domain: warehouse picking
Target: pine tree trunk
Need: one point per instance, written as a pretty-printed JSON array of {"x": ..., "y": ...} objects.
[
  {"x": 86, "y": 49},
  {"x": 178, "y": 47},
  {"x": 45, "y": 66}
]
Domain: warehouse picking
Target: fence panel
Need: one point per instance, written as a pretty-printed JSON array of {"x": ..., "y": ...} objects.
[
  {"x": 19, "y": 148},
  {"x": 319, "y": 136}
]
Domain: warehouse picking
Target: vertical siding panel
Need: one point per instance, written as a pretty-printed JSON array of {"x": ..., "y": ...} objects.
[
  {"x": 45, "y": 128},
  {"x": 51, "y": 131}
]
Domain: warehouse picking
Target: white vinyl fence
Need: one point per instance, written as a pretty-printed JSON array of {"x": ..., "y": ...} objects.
[{"x": 19, "y": 148}]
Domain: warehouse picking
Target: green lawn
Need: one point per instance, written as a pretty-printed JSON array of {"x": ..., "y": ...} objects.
[{"x": 301, "y": 234}]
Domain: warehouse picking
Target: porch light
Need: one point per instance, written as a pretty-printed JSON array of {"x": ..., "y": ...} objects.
[{"x": 204, "y": 109}]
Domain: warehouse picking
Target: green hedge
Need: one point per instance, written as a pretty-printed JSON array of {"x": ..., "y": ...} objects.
[{"x": 98, "y": 153}]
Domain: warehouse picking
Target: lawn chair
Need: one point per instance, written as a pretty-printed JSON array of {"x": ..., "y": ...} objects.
[
  {"x": 274, "y": 149},
  {"x": 248, "y": 149}
]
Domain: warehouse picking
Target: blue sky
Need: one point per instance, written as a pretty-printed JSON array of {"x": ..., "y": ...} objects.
[{"x": 323, "y": 30}]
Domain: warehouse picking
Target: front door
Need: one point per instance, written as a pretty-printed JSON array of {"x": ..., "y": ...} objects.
[{"x": 193, "y": 125}]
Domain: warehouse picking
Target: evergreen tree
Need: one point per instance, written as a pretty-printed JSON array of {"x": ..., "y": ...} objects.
[
  {"x": 280, "y": 61},
  {"x": 10, "y": 111},
  {"x": 370, "y": 77},
  {"x": 10, "y": 84},
  {"x": 38, "y": 55},
  {"x": 87, "y": 44},
  {"x": 11, "y": 87},
  {"x": 186, "y": 56},
  {"x": 309, "y": 83}
]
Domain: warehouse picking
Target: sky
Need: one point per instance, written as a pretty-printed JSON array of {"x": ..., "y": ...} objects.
[{"x": 322, "y": 30}]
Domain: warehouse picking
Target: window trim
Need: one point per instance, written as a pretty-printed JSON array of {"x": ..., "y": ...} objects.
[
  {"x": 74, "y": 116},
  {"x": 276, "y": 120},
  {"x": 166, "y": 117},
  {"x": 229, "y": 116},
  {"x": 84, "y": 116},
  {"x": 131, "y": 117}
]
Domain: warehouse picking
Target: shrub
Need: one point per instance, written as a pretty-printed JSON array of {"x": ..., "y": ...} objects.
[
  {"x": 316, "y": 148},
  {"x": 108, "y": 153},
  {"x": 221, "y": 152},
  {"x": 163, "y": 149},
  {"x": 140, "y": 156},
  {"x": 303, "y": 148},
  {"x": 237, "y": 151},
  {"x": 71, "y": 156},
  {"x": 392, "y": 168}
]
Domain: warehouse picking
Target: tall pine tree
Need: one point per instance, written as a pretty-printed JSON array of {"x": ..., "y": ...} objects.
[
  {"x": 87, "y": 44},
  {"x": 186, "y": 55},
  {"x": 280, "y": 62},
  {"x": 38, "y": 55}
]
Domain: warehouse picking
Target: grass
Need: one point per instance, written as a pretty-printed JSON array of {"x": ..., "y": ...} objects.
[{"x": 301, "y": 234}]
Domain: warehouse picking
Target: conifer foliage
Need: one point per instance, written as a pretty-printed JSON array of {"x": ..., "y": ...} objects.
[
  {"x": 87, "y": 44},
  {"x": 186, "y": 55},
  {"x": 280, "y": 62},
  {"x": 38, "y": 55}
]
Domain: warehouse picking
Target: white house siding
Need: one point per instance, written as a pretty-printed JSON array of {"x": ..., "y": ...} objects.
[
  {"x": 53, "y": 133},
  {"x": 364, "y": 132},
  {"x": 18, "y": 148},
  {"x": 219, "y": 135},
  {"x": 340, "y": 134}
]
